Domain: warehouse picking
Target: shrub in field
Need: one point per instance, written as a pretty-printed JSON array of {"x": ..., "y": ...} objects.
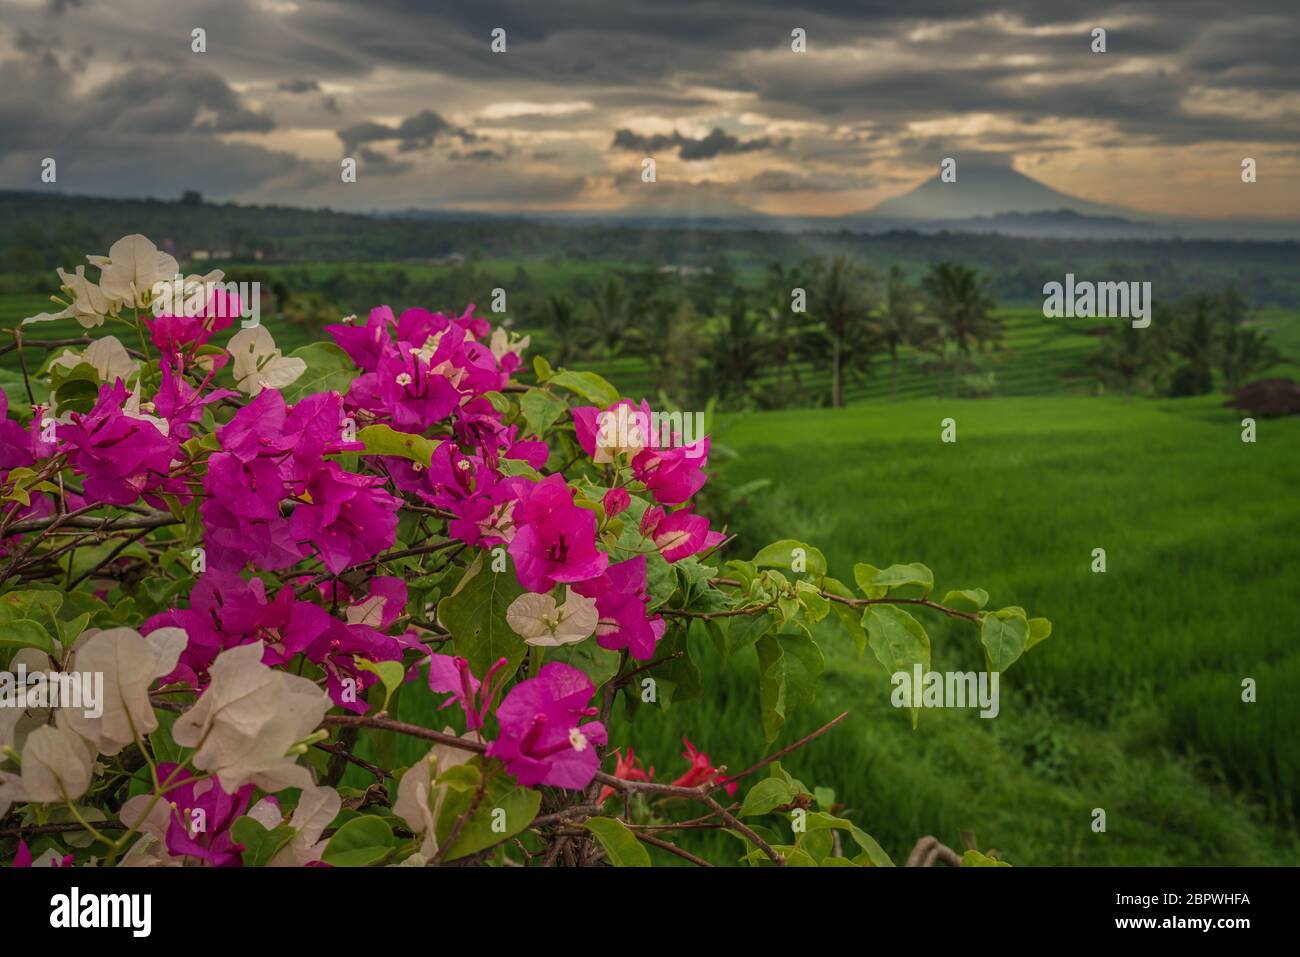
[{"x": 221, "y": 566}]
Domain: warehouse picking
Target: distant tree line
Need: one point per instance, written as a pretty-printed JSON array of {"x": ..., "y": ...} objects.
[{"x": 1188, "y": 343}]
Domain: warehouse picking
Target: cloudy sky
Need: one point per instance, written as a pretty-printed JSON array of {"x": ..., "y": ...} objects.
[{"x": 712, "y": 90}]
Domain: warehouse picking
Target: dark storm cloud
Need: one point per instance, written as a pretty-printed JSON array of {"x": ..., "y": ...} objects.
[
  {"x": 374, "y": 161},
  {"x": 298, "y": 85},
  {"x": 108, "y": 139},
  {"x": 713, "y": 144},
  {"x": 413, "y": 133}
]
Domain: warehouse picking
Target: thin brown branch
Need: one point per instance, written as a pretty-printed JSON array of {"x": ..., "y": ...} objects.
[{"x": 671, "y": 849}]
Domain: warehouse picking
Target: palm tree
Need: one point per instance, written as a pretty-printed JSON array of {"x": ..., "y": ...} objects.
[
  {"x": 739, "y": 351},
  {"x": 567, "y": 334},
  {"x": 611, "y": 316},
  {"x": 1245, "y": 353},
  {"x": 1127, "y": 358},
  {"x": 962, "y": 306},
  {"x": 838, "y": 302},
  {"x": 898, "y": 323},
  {"x": 1194, "y": 334},
  {"x": 785, "y": 325}
]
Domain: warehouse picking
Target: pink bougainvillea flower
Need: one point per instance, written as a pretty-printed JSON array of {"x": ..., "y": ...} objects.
[
  {"x": 337, "y": 652},
  {"x": 626, "y": 769},
  {"x": 122, "y": 456},
  {"x": 414, "y": 393},
  {"x": 623, "y": 429},
  {"x": 673, "y": 475},
  {"x": 543, "y": 739},
  {"x": 555, "y": 540},
  {"x": 204, "y": 801},
  {"x": 19, "y": 447},
  {"x": 23, "y": 448},
  {"x": 701, "y": 771},
  {"x": 314, "y": 428},
  {"x": 226, "y": 611},
  {"x": 250, "y": 488},
  {"x": 347, "y": 519},
  {"x": 616, "y": 500},
  {"x": 232, "y": 540},
  {"x": 366, "y": 344},
  {"x": 621, "y": 600},
  {"x": 678, "y": 534},
  {"x": 23, "y": 858},
  {"x": 173, "y": 335},
  {"x": 451, "y": 675},
  {"x": 181, "y": 404}
]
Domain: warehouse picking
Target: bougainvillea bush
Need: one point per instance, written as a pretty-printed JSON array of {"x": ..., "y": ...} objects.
[{"x": 222, "y": 565}]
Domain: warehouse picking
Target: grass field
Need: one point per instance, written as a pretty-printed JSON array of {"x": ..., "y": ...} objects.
[{"x": 1133, "y": 705}]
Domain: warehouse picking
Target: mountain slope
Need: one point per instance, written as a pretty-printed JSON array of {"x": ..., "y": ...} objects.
[{"x": 985, "y": 190}]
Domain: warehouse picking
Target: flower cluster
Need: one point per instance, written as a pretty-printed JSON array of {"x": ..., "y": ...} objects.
[
  {"x": 295, "y": 510},
  {"x": 265, "y": 556}
]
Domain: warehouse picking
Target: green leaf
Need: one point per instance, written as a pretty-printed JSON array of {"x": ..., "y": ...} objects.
[
  {"x": 1004, "y": 634},
  {"x": 382, "y": 440},
  {"x": 816, "y": 607},
  {"x": 391, "y": 673},
  {"x": 588, "y": 385},
  {"x": 597, "y": 663},
  {"x": 976, "y": 859},
  {"x": 88, "y": 557},
  {"x": 744, "y": 630},
  {"x": 541, "y": 409},
  {"x": 977, "y": 598},
  {"x": 361, "y": 842},
  {"x": 896, "y": 576},
  {"x": 518, "y": 467},
  {"x": 766, "y": 795},
  {"x": 260, "y": 845},
  {"x": 620, "y": 844},
  {"x": 783, "y": 554},
  {"x": 38, "y": 604},
  {"x": 678, "y": 679},
  {"x": 25, "y": 633},
  {"x": 848, "y": 615},
  {"x": 898, "y": 641},
  {"x": 863, "y": 575},
  {"x": 541, "y": 368},
  {"x": 788, "y": 666},
  {"x": 475, "y": 614},
  {"x": 77, "y": 391},
  {"x": 1039, "y": 629},
  {"x": 874, "y": 854},
  {"x": 328, "y": 370},
  {"x": 505, "y": 810}
]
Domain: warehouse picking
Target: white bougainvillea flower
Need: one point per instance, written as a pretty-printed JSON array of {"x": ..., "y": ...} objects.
[
  {"x": 9, "y": 718},
  {"x": 152, "y": 819},
  {"x": 317, "y": 807},
  {"x": 419, "y": 798},
  {"x": 503, "y": 343},
  {"x": 259, "y": 364},
  {"x": 130, "y": 664},
  {"x": 56, "y": 766},
  {"x": 536, "y": 619},
  {"x": 88, "y": 304},
  {"x": 107, "y": 356},
  {"x": 132, "y": 268},
  {"x": 248, "y": 719},
  {"x": 133, "y": 408}
]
